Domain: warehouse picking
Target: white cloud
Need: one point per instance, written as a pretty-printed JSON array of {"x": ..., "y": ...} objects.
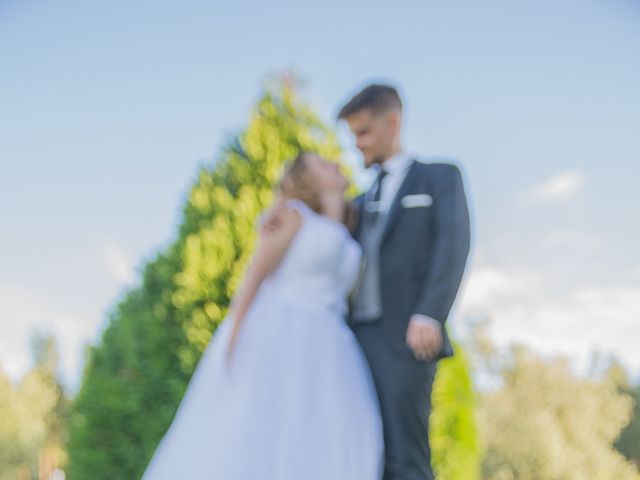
[
  {"x": 73, "y": 319},
  {"x": 561, "y": 186},
  {"x": 22, "y": 312},
  {"x": 119, "y": 262},
  {"x": 526, "y": 307},
  {"x": 575, "y": 242}
]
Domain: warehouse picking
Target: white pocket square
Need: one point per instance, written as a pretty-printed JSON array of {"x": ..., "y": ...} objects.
[{"x": 418, "y": 200}]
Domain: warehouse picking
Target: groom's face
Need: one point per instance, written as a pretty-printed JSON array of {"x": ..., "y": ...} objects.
[{"x": 374, "y": 134}]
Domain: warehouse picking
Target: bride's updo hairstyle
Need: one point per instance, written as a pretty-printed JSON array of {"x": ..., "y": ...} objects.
[{"x": 297, "y": 182}]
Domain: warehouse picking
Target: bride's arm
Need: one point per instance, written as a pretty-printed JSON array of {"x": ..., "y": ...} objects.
[{"x": 271, "y": 247}]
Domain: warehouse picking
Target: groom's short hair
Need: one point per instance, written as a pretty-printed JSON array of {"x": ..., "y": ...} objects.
[{"x": 377, "y": 98}]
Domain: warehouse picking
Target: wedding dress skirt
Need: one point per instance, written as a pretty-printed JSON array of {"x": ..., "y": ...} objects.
[{"x": 297, "y": 401}]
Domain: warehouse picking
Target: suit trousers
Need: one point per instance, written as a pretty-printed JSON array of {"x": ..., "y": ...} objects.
[{"x": 404, "y": 386}]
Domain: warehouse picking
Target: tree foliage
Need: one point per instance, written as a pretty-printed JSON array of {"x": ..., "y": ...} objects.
[
  {"x": 33, "y": 416},
  {"x": 453, "y": 426},
  {"x": 543, "y": 421}
]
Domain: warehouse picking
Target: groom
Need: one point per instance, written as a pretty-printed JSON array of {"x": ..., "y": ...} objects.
[{"x": 413, "y": 226}]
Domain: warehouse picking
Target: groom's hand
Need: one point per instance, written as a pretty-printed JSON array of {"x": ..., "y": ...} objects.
[
  {"x": 424, "y": 337},
  {"x": 271, "y": 220}
]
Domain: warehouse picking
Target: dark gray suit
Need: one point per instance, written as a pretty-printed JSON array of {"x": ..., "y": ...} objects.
[{"x": 422, "y": 253}]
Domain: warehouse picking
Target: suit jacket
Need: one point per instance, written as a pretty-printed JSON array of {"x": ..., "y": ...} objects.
[{"x": 424, "y": 249}]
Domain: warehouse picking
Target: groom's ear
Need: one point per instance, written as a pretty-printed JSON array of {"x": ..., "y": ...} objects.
[{"x": 394, "y": 119}]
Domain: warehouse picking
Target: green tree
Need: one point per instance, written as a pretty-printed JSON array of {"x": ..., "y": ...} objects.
[
  {"x": 453, "y": 430},
  {"x": 137, "y": 374},
  {"x": 13, "y": 448},
  {"x": 33, "y": 416},
  {"x": 544, "y": 422},
  {"x": 628, "y": 443}
]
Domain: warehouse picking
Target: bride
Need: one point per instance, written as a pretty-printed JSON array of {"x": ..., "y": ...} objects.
[{"x": 283, "y": 391}]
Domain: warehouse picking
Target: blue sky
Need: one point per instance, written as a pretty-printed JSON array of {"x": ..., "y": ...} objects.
[{"x": 108, "y": 109}]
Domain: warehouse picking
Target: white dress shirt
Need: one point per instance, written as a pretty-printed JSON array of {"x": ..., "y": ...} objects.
[{"x": 396, "y": 168}]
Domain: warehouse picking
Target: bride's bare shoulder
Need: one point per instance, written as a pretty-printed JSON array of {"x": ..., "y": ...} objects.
[{"x": 281, "y": 217}]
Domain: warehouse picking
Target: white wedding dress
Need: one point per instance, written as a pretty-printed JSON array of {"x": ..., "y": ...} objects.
[{"x": 297, "y": 401}]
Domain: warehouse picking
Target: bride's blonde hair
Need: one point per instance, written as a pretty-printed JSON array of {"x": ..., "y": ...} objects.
[{"x": 297, "y": 182}]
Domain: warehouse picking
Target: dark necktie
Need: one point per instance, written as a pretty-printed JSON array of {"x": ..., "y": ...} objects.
[{"x": 376, "y": 197}]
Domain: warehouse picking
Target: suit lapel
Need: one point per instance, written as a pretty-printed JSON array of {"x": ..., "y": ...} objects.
[{"x": 395, "y": 208}]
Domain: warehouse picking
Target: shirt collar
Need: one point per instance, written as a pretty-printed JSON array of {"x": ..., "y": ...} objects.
[{"x": 397, "y": 163}]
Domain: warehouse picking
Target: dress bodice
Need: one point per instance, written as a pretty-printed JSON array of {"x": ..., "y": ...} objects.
[{"x": 321, "y": 264}]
